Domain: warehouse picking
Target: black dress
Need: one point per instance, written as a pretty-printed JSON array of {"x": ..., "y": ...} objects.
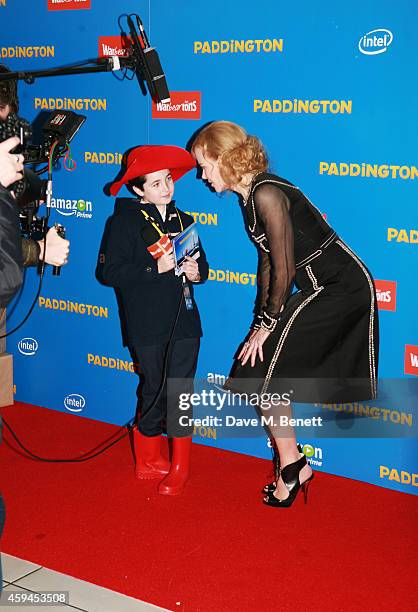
[{"x": 323, "y": 345}]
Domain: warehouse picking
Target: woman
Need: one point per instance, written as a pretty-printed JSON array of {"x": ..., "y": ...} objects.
[
  {"x": 159, "y": 316},
  {"x": 321, "y": 341}
]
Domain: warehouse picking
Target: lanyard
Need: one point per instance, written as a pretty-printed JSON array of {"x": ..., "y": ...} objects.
[
  {"x": 154, "y": 223},
  {"x": 186, "y": 289}
]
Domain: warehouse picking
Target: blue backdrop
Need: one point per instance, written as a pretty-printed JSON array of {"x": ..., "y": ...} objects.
[{"x": 330, "y": 89}]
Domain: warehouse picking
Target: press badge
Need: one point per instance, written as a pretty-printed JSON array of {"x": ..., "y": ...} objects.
[{"x": 187, "y": 297}]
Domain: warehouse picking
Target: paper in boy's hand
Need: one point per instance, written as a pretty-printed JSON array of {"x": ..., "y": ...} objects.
[{"x": 185, "y": 244}]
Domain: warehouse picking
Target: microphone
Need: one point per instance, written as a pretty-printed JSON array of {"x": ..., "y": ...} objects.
[
  {"x": 147, "y": 64},
  {"x": 157, "y": 245}
]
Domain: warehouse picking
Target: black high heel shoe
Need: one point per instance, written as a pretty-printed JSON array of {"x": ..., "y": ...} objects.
[
  {"x": 290, "y": 477},
  {"x": 271, "y": 487}
]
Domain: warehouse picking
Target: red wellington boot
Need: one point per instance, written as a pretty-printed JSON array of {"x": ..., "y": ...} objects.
[
  {"x": 175, "y": 480},
  {"x": 148, "y": 460}
]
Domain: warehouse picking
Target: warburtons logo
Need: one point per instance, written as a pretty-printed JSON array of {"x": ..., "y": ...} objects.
[
  {"x": 68, "y": 5},
  {"x": 74, "y": 402},
  {"x": 375, "y": 42},
  {"x": 268, "y": 45},
  {"x": 28, "y": 346},
  {"x": 114, "y": 46},
  {"x": 386, "y": 294},
  {"x": 95, "y": 157},
  {"x": 3, "y": 3},
  {"x": 381, "y": 171},
  {"x": 313, "y": 107},
  {"x": 182, "y": 105},
  {"x": 411, "y": 359},
  {"x": 82, "y": 209}
]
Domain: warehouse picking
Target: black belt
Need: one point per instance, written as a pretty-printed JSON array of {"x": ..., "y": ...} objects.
[{"x": 327, "y": 242}]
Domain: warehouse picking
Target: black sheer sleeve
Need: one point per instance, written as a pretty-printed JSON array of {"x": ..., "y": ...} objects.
[
  {"x": 272, "y": 209},
  {"x": 263, "y": 282}
]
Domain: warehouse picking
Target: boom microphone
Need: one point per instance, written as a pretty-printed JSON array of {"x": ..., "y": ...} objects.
[{"x": 147, "y": 63}]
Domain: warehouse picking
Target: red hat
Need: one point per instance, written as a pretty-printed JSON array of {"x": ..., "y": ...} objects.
[{"x": 151, "y": 158}]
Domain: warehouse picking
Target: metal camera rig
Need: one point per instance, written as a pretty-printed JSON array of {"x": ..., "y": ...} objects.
[{"x": 57, "y": 132}]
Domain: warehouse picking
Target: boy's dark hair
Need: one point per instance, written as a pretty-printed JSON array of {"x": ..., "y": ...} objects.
[
  {"x": 8, "y": 92},
  {"x": 139, "y": 182}
]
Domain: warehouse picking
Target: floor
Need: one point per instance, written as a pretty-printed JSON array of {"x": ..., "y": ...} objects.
[
  {"x": 210, "y": 549},
  {"x": 25, "y": 578}
]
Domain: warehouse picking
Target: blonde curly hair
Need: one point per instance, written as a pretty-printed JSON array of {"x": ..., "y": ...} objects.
[{"x": 237, "y": 152}]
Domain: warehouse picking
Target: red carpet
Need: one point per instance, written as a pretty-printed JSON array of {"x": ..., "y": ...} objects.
[{"x": 216, "y": 547}]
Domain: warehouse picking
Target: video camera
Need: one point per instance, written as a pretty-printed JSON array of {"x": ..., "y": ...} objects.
[{"x": 60, "y": 128}]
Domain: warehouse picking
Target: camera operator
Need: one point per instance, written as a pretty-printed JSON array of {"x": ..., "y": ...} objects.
[
  {"x": 11, "y": 166},
  {"x": 11, "y": 262},
  {"x": 57, "y": 248},
  {"x": 16, "y": 252}
]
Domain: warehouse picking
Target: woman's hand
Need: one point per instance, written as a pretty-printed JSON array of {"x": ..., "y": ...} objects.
[
  {"x": 166, "y": 262},
  {"x": 191, "y": 269},
  {"x": 254, "y": 347}
]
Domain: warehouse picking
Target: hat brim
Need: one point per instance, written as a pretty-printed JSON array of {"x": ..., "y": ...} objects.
[{"x": 151, "y": 158}]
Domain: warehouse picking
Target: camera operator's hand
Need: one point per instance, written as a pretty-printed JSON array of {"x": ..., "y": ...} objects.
[
  {"x": 11, "y": 164},
  {"x": 57, "y": 249}
]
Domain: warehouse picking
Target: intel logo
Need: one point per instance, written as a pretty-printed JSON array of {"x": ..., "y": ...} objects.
[
  {"x": 375, "y": 42},
  {"x": 28, "y": 346},
  {"x": 74, "y": 402}
]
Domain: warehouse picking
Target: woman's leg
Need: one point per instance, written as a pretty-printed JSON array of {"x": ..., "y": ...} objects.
[{"x": 285, "y": 440}]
